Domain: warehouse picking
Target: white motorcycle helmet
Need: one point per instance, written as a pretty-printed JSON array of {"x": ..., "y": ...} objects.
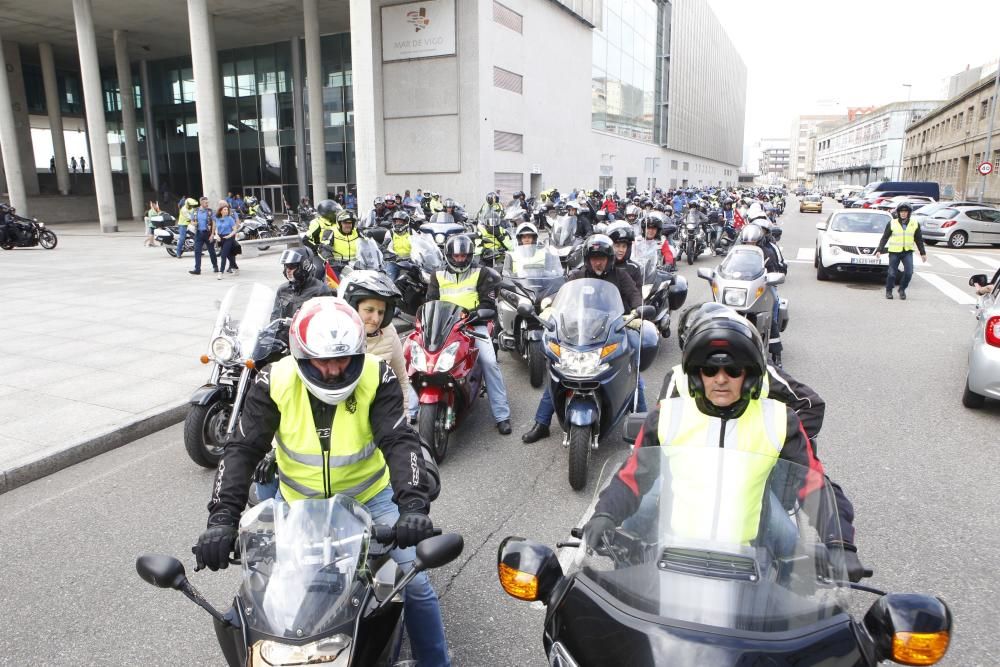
[
  {"x": 327, "y": 327},
  {"x": 526, "y": 228}
]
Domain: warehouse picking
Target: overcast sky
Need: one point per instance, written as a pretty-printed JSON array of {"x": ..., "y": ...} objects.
[{"x": 806, "y": 57}]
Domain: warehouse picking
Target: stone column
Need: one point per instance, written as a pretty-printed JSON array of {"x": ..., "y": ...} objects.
[
  {"x": 363, "y": 82},
  {"x": 147, "y": 116},
  {"x": 8, "y": 144},
  {"x": 55, "y": 116},
  {"x": 97, "y": 129},
  {"x": 125, "y": 91},
  {"x": 208, "y": 101},
  {"x": 22, "y": 123},
  {"x": 314, "y": 81},
  {"x": 298, "y": 119}
]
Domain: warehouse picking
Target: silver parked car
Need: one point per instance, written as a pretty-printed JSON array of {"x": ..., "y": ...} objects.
[
  {"x": 983, "y": 380},
  {"x": 961, "y": 225}
]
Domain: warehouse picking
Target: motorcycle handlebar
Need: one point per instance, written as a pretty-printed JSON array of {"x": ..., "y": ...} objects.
[{"x": 386, "y": 535}]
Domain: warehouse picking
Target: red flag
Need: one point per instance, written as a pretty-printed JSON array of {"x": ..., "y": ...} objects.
[
  {"x": 332, "y": 279},
  {"x": 738, "y": 220}
]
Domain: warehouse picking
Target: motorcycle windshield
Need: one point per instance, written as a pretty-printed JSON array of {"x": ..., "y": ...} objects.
[
  {"x": 264, "y": 207},
  {"x": 585, "y": 310},
  {"x": 425, "y": 253},
  {"x": 300, "y": 561},
  {"x": 647, "y": 255},
  {"x": 742, "y": 263},
  {"x": 241, "y": 327},
  {"x": 727, "y": 539},
  {"x": 513, "y": 212},
  {"x": 691, "y": 220},
  {"x": 437, "y": 319},
  {"x": 531, "y": 261},
  {"x": 563, "y": 230},
  {"x": 369, "y": 255}
]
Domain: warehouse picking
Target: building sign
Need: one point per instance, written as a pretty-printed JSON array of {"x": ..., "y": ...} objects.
[{"x": 418, "y": 30}]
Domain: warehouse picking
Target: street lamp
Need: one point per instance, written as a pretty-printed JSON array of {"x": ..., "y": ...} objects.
[{"x": 909, "y": 90}]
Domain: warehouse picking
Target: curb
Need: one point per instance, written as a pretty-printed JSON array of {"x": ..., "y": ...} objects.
[{"x": 94, "y": 445}]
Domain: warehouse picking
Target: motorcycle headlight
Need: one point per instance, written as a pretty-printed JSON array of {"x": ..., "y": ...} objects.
[
  {"x": 447, "y": 358},
  {"x": 734, "y": 296},
  {"x": 417, "y": 357},
  {"x": 323, "y": 651},
  {"x": 223, "y": 349},
  {"x": 579, "y": 364},
  {"x": 40, "y": 224},
  {"x": 439, "y": 238}
]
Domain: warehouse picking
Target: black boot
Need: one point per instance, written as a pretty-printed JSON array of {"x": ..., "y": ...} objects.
[
  {"x": 537, "y": 432},
  {"x": 888, "y": 294},
  {"x": 902, "y": 294}
]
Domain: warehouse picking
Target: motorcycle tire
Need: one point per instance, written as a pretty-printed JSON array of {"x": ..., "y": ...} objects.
[
  {"x": 536, "y": 363},
  {"x": 431, "y": 427},
  {"x": 579, "y": 456},
  {"x": 47, "y": 239},
  {"x": 7, "y": 245},
  {"x": 203, "y": 428},
  {"x": 690, "y": 253},
  {"x": 264, "y": 235}
]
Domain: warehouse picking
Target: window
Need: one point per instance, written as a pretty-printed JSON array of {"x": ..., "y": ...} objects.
[
  {"x": 507, "y": 80},
  {"x": 687, "y": 166},
  {"x": 968, "y": 117},
  {"x": 984, "y": 109},
  {"x": 507, "y": 17},
  {"x": 673, "y": 164},
  {"x": 508, "y": 141}
]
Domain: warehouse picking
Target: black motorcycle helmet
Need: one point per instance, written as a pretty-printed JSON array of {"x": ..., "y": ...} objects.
[
  {"x": 519, "y": 194},
  {"x": 598, "y": 245},
  {"x": 621, "y": 231},
  {"x": 491, "y": 198},
  {"x": 651, "y": 221},
  {"x": 327, "y": 209},
  {"x": 723, "y": 340},
  {"x": 400, "y": 222},
  {"x": 751, "y": 235},
  {"x": 361, "y": 285},
  {"x": 458, "y": 245},
  {"x": 775, "y": 233},
  {"x": 300, "y": 261}
]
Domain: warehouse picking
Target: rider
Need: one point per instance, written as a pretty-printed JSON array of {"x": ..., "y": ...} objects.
[
  {"x": 398, "y": 242},
  {"x": 452, "y": 208},
  {"x": 324, "y": 222},
  {"x": 651, "y": 227},
  {"x": 723, "y": 363},
  {"x": 183, "y": 220},
  {"x": 622, "y": 236},
  {"x": 471, "y": 287},
  {"x": 492, "y": 204},
  {"x": 755, "y": 235},
  {"x": 609, "y": 205},
  {"x": 298, "y": 269},
  {"x": 526, "y": 235},
  {"x": 343, "y": 239},
  {"x": 584, "y": 212},
  {"x": 329, "y": 380},
  {"x": 378, "y": 212},
  {"x": 521, "y": 200},
  {"x": 493, "y": 236},
  {"x": 374, "y": 296},
  {"x": 598, "y": 262}
]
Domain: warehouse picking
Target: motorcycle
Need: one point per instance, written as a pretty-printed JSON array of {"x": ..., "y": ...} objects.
[
  {"x": 258, "y": 226},
  {"x": 27, "y": 233},
  {"x": 753, "y": 583},
  {"x": 742, "y": 283},
  {"x": 442, "y": 363},
  {"x": 529, "y": 283},
  {"x": 662, "y": 287},
  {"x": 166, "y": 232},
  {"x": 317, "y": 585},
  {"x": 564, "y": 242},
  {"x": 415, "y": 273},
  {"x": 247, "y": 336},
  {"x": 592, "y": 364},
  {"x": 691, "y": 238},
  {"x": 721, "y": 235},
  {"x": 441, "y": 227}
]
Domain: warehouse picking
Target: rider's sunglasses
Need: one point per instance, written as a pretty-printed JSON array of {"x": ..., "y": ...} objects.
[{"x": 712, "y": 371}]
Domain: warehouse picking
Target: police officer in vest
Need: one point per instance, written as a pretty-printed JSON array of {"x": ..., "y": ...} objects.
[
  {"x": 398, "y": 242},
  {"x": 901, "y": 235},
  {"x": 472, "y": 287},
  {"x": 534, "y": 255},
  {"x": 337, "y": 416},
  {"x": 724, "y": 367},
  {"x": 325, "y": 221}
]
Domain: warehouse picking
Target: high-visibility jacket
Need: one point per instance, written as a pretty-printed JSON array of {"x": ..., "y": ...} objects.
[
  {"x": 350, "y": 464},
  {"x": 536, "y": 261},
  {"x": 184, "y": 216},
  {"x": 459, "y": 291},
  {"x": 344, "y": 247},
  {"x": 723, "y": 502},
  {"x": 318, "y": 227},
  {"x": 499, "y": 241},
  {"x": 401, "y": 245},
  {"x": 436, "y": 205},
  {"x": 901, "y": 239}
]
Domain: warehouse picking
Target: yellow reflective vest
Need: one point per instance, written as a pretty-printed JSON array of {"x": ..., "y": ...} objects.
[
  {"x": 184, "y": 216},
  {"x": 536, "y": 261},
  {"x": 461, "y": 292},
  {"x": 502, "y": 241},
  {"x": 352, "y": 465},
  {"x": 697, "y": 510},
  {"x": 319, "y": 227},
  {"x": 401, "y": 245},
  {"x": 344, "y": 247},
  {"x": 901, "y": 239}
]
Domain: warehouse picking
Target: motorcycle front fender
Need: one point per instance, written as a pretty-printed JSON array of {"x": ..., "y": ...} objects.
[
  {"x": 432, "y": 394},
  {"x": 210, "y": 393},
  {"x": 582, "y": 411},
  {"x": 534, "y": 334}
]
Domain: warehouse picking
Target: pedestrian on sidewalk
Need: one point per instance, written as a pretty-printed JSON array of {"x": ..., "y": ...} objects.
[
  {"x": 901, "y": 235},
  {"x": 204, "y": 232},
  {"x": 154, "y": 209},
  {"x": 72, "y": 164},
  {"x": 187, "y": 209},
  {"x": 225, "y": 230},
  {"x": 83, "y": 164},
  {"x": 52, "y": 164}
]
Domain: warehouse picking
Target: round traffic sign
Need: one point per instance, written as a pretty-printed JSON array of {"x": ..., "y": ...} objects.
[{"x": 985, "y": 168}]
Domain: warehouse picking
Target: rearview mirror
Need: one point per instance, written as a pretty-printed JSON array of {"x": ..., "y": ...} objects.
[
  {"x": 821, "y": 226},
  {"x": 633, "y": 424},
  {"x": 527, "y": 569},
  {"x": 525, "y": 309},
  {"x": 439, "y": 550},
  {"x": 978, "y": 279},
  {"x": 706, "y": 273},
  {"x": 484, "y": 314},
  {"x": 161, "y": 571},
  {"x": 775, "y": 278},
  {"x": 910, "y": 629}
]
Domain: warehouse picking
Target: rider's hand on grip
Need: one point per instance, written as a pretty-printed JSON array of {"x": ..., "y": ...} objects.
[
  {"x": 264, "y": 472},
  {"x": 216, "y": 543},
  {"x": 411, "y": 528},
  {"x": 595, "y": 529},
  {"x": 846, "y": 555}
]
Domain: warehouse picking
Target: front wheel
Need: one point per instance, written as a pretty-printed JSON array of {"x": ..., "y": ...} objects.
[
  {"x": 579, "y": 455},
  {"x": 433, "y": 429},
  {"x": 690, "y": 253},
  {"x": 958, "y": 240},
  {"x": 264, "y": 235},
  {"x": 205, "y": 432},
  {"x": 536, "y": 363},
  {"x": 47, "y": 239}
]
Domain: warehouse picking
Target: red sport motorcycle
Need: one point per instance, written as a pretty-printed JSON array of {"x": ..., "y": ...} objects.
[{"x": 442, "y": 363}]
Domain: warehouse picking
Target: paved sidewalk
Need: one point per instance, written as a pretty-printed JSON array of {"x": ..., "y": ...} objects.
[{"x": 101, "y": 343}]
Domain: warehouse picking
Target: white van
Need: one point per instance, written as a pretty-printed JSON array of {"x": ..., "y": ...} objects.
[{"x": 845, "y": 190}]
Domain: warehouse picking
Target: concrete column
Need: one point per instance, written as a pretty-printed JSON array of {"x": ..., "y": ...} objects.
[
  {"x": 298, "y": 119},
  {"x": 55, "y": 116},
  {"x": 22, "y": 123},
  {"x": 147, "y": 116},
  {"x": 314, "y": 75},
  {"x": 363, "y": 82},
  {"x": 208, "y": 101},
  {"x": 8, "y": 144},
  {"x": 125, "y": 91},
  {"x": 97, "y": 129}
]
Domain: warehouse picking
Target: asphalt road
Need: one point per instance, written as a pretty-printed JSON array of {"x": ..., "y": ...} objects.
[{"x": 917, "y": 465}]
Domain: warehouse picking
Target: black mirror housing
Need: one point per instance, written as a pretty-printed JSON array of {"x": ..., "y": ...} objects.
[
  {"x": 978, "y": 279},
  {"x": 161, "y": 571},
  {"x": 706, "y": 273},
  {"x": 439, "y": 550},
  {"x": 632, "y": 426},
  {"x": 677, "y": 293},
  {"x": 525, "y": 309},
  {"x": 895, "y": 616},
  {"x": 528, "y": 570}
]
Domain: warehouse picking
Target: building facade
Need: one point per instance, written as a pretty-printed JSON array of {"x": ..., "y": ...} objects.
[
  {"x": 948, "y": 144},
  {"x": 869, "y": 148},
  {"x": 799, "y": 144},
  {"x": 772, "y": 167}
]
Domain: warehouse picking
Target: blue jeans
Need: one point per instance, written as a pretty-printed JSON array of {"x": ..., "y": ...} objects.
[
  {"x": 775, "y": 343},
  {"x": 392, "y": 270},
  {"x": 181, "y": 235},
  {"x": 201, "y": 238},
  {"x": 894, "y": 259}
]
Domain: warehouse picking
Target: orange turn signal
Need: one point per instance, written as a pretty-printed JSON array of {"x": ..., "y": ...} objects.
[
  {"x": 760, "y": 292},
  {"x": 919, "y": 648},
  {"x": 520, "y": 585},
  {"x": 608, "y": 349},
  {"x": 205, "y": 359},
  {"x": 554, "y": 346},
  {"x": 250, "y": 364}
]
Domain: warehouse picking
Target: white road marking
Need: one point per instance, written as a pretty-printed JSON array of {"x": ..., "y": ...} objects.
[
  {"x": 953, "y": 261},
  {"x": 988, "y": 261},
  {"x": 948, "y": 289},
  {"x": 806, "y": 253}
]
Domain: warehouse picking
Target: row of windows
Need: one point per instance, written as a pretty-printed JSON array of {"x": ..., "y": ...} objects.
[
  {"x": 854, "y": 157},
  {"x": 952, "y": 126},
  {"x": 944, "y": 169},
  {"x": 872, "y": 131}
]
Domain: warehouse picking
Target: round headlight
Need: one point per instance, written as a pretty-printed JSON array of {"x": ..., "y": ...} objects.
[{"x": 222, "y": 349}]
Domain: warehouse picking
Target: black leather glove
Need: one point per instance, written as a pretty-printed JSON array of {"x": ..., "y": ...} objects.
[
  {"x": 845, "y": 555},
  {"x": 264, "y": 472},
  {"x": 216, "y": 543},
  {"x": 595, "y": 529},
  {"x": 411, "y": 528}
]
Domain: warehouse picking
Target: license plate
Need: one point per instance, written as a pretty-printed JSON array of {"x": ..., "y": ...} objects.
[{"x": 865, "y": 260}]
